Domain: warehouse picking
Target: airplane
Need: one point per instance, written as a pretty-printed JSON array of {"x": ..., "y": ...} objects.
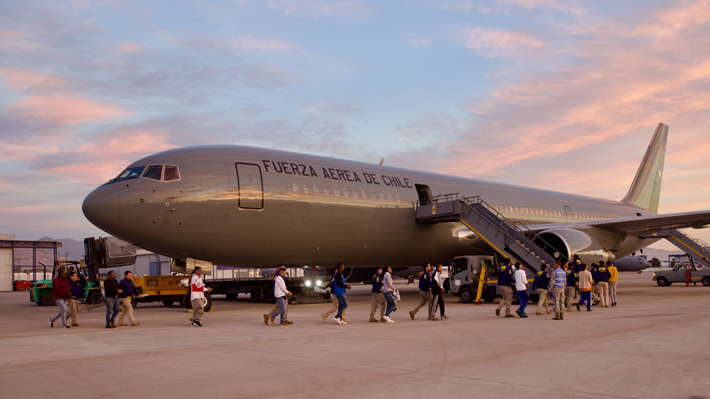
[
  {"x": 245, "y": 206},
  {"x": 632, "y": 264}
]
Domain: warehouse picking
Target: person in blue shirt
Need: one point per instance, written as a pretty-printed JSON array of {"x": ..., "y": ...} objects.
[
  {"x": 541, "y": 283},
  {"x": 603, "y": 283},
  {"x": 377, "y": 297},
  {"x": 128, "y": 292},
  {"x": 77, "y": 296},
  {"x": 427, "y": 298},
  {"x": 559, "y": 281},
  {"x": 505, "y": 281},
  {"x": 339, "y": 288}
]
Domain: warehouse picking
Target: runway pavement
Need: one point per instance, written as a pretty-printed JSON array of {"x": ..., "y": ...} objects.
[{"x": 654, "y": 345}]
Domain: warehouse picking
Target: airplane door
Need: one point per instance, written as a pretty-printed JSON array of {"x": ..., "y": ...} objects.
[
  {"x": 568, "y": 212},
  {"x": 251, "y": 186},
  {"x": 424, "y": 194}
]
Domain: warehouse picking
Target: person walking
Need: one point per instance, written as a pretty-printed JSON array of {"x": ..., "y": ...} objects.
[
  {"x": 280, "y": 292},
  {"x": 334, "y": 299},
  {"x": 340, "y": 290},
  {"x": 77, "y": 296},
  {"x": 389, "y": 291},
  {"x": 60, "y": 292},
  {"x": 595, "y": 287},
  {"x": 571, "y": 287},
  {"x": 558, "y": 282},
  {"x": 585, "y": 287},
  {"x": 111, "y": 291},
  {"x": 424, "y": 293},
  {"x": 576, "y": 267},
  {"x": 378, "y": 297},
  {"x": 128, "y": 292},
  {"x": 505, "y": 281},
  {"x": 613, "y": 278},
  {"x": 270, "y": 315},
  {"x": 521, "y": 285},
  {"x": 541, "y": 283},
  {"x": 603, "y": 283},
  {"x": 197, "y": 296},
  {"x": 437, "y": 290}
]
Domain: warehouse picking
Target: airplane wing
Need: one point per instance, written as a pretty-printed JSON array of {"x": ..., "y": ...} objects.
[{"x": 638, "y": 225}]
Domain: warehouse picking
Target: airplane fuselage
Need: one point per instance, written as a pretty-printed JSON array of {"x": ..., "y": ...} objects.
[{"x": 254, "y": 207}]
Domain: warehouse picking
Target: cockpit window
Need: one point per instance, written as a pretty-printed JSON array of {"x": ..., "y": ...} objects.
[
  {"x": 171, "y": 173},
  {"x": 153, "y": 172},
  {"x": 131, "y": 173}
]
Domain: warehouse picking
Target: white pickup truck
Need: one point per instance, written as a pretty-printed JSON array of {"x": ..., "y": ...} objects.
[{"x": 678, "y": 274}]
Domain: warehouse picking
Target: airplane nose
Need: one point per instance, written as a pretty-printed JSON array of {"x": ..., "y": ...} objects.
[{"x": 102, "y": 206}]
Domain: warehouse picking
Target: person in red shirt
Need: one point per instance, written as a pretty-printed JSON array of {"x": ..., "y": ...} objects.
[{"x": 61, "y": 291}]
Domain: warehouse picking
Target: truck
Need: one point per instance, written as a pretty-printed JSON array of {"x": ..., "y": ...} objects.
[
  {"x": 41, "y": 290},
  {"x": 465, "y": 277},
  {"x": 678, "y": 273}
]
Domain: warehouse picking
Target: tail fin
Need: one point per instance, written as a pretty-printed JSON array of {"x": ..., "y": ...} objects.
[{"x": 645, "y": 191}]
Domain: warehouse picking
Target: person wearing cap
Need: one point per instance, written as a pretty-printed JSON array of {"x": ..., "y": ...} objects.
[
  {"x": 128, "y": 291},
  {"x": 377, "y": 297},
  {"x": 281, "y": 294},
  {"x": 197, "y": 296},
  {"x": 270, "y": 315},
  {"x": 77, "y": 296}
]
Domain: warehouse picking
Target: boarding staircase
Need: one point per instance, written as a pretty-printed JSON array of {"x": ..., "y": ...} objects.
[
  {"x": 510, "y": 239},
  {"x": 698, "y": 249}
]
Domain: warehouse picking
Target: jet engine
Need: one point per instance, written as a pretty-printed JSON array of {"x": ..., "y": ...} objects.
[{"x": 569, "y": 242}]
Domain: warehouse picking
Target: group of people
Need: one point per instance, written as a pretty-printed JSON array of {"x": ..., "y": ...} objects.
[{"x": 563, "y": 285}]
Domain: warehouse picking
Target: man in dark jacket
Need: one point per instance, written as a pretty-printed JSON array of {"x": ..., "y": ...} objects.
[
  {"x": 77, "y": 295},
  {"x": 111, "y": 291},
  {"x": 60, "y": 292},
  {"x": 129, "y": 291},
  {"x": 425, "y": 293},
  {"x": 505, "y": 281},
  {"x": 541, "y": 284},
  {"x": 377, "y": 297}
]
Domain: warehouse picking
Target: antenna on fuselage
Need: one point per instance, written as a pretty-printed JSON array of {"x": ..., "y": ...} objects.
[{"x": 382, "y": 161}]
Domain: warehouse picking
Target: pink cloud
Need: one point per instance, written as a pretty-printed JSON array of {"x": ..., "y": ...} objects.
[
  {"x": 16, "y": 40},
  {"x": 23, "y": 79},
  {"x": 59, "y": 109},
  {"x": 132, "y": 47},
  {"x": 563, "y": 5},
  {"x": 251, "y": 43},
  {"x": 498, "y": 43}
]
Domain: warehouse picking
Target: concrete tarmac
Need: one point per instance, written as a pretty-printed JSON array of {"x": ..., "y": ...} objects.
[{"x": 654, "y": 345}]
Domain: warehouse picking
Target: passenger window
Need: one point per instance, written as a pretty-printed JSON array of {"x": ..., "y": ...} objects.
[
  {"x": 382, "y": 196},
  {"x": 171, "y": 173},
  {"x": 354, "y": 193},
  {"x": 345, "y": 192},
  {"x": 316, "y": 190},
  {"x": 295, "y": 187},
  {"x": 389, "y": 196},
  {"x": 153, "y": 172},
  {"x": 336, "y": 191},
  {"x": 398, "y": 197},
  {"x": 305, "y": 188},
  {"x": 364, "y": 194},
  {"x": 372, "y": 195},
  {"x": 326, "y": 191}
]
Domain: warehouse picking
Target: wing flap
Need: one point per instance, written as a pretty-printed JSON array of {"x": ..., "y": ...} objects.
[{"x": 638, "y": 225}]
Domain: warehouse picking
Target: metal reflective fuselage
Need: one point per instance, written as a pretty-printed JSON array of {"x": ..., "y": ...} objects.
[
  {"x": 199, "y": 216},
  {"x": 632, "y": 264}
]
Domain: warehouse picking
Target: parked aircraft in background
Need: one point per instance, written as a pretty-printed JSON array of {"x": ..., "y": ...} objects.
[
  {"x": 255, "y": 207},
  {"x": 632, "y": 264}
]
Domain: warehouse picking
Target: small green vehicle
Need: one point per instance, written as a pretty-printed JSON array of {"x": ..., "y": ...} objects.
[{"x": 41, "y": 290}]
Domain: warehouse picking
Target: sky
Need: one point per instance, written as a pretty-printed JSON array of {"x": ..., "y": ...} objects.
[{"x": 562, "y": 95}]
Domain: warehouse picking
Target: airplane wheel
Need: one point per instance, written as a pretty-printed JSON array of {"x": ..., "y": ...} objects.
[
  {"x": 466, "y": 295},
  {"x": 662, "y": 282},
  {"x": 706, "y": 281},
  {"x": 47, "y": 299},
  {"x": 639, "y": 272}
]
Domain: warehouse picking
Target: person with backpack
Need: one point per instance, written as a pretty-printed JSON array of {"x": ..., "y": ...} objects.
[
  {"x": 377, "y": 297},
  {"x": 425, "y": 293},
  {"x": 437, "y": 289},
  {"x": 340, "y": 290},
  {"x": 389, "y": 293}
]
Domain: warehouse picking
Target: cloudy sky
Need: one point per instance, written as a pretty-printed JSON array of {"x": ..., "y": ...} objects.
[{"x": 563, "y": 95}]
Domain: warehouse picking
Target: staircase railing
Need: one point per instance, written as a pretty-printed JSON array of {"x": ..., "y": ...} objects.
[{"x": 702, "y": 244}]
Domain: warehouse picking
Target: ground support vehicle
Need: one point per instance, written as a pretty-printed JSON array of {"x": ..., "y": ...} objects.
[
  {"x": 465, "y": 279},
  {"x": 165, "y": 289},
  {"x": 679, "y": 274},
  {"x": 41, "y": 290}
]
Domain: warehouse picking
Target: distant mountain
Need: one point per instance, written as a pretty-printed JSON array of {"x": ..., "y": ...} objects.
[{"x": 72, "y": 249}]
